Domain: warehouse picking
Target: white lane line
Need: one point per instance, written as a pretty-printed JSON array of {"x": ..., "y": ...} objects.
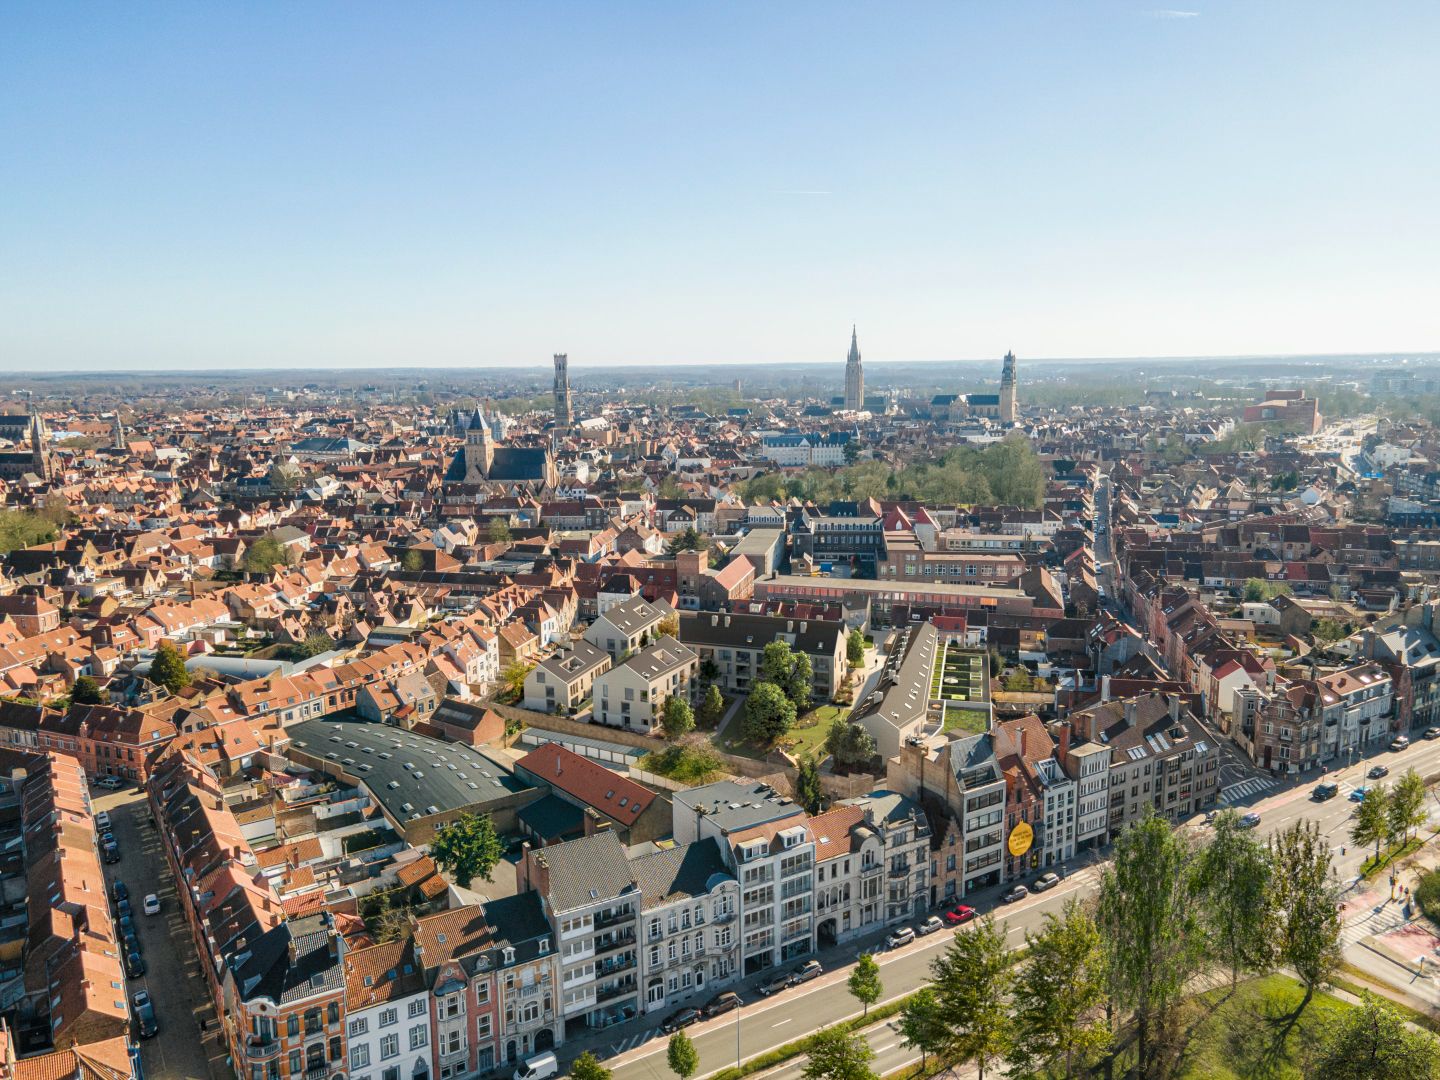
[
  {"x": 782, "y": 1023},
  {"x": 887, "y": 1046}
]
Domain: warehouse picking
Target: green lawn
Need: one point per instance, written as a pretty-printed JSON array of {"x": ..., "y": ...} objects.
[
  {"x": 1245, "y": 1037},
  {"x": 808, "y": 734},
  {"x": 683, "y": 764},
  {"x": 970, "y": 721},
  {"x": 1389, "y": 856}
]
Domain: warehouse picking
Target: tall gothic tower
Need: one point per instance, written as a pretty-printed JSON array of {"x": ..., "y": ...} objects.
[
  {"x": 1008, "y": 413},
  {"x": 39, "y": 457},
  {"x": 564, "y": 414},
  {"x": 854, "y": 376},
  {"x": 479, "y": 448}
]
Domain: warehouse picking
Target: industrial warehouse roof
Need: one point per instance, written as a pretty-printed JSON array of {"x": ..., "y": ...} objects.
[{"x": 412, "y": 776}]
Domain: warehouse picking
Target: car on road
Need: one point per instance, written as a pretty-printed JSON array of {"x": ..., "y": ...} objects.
[
  {"x": 109, "y": 783},
  {"x": 960, "y": 914},
  {"x": 145, "y": 1019},
  {"x": 1047, "y": 880},
  {"x": 722, "y": 1003},
  {"x": 1358, "y": 795},
  {"x": 1250, "y": 820},
  {"x": 1432, "y": 733},
  {"x": 1400, "y": 742},
  {"x": 122, "y": 907},
  {"x": 807, "y": 971},
  {"x": 677, "y": 1020},
  {"x": 929, "y": 926},
  {"x": 134, "y": 965},
  {"x": 107, "y": 837},
  {"x": 782, "y": 980},
  {"x": 1322, "y": 792},
  {"x": 900, "y": 936},
  {"x": 152, "y": 904},
  {"x": 110, "y": 853},
  {"x": 1377, "y": 771},
  {"x": 119, "y": 891},
  {"x": 102, "y": 820},
  {"x": 1016, "y": 892},
  {"x": 127, "y": 926}
]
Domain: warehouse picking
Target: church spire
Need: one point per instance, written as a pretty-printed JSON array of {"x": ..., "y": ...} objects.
[{"x": 854, "y": 375}]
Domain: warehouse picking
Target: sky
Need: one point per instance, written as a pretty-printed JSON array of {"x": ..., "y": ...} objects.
[{"x": 303, "y": 184}]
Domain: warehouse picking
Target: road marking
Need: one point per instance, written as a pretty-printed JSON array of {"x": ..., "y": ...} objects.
[
  {"x": 782, "y": 1023},
  {"x": 887, "y": 1046}
]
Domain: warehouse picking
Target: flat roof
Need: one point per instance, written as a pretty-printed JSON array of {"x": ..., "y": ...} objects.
[{"x": 869, "y": 585}]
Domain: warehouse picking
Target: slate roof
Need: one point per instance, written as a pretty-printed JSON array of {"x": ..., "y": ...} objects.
[
  {"x": 551, "y": 817},
  {"x": 679, "y": 872},
  {"x": 269, "y": 972},
  {"x": 586, "y": 871}
]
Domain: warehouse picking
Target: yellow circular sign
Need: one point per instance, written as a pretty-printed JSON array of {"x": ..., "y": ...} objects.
[{"x": 1021, "y": 837}]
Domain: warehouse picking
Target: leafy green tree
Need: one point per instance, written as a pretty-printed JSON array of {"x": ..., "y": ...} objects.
[
  {"x": 587, "y": 1067},
  {"x": 167, "y": 669},
  {"x": 789, "y": 670},
  {"x": 865, "y": 982},
  {"x": 266, "y": 553},
  {"x": 1372, "y": 1041},
  {"x": 412, "y": 561},
  {"x": 1147, "y": 912},
  {"x": 467, "y": 848},
  {"x": 972, "y": 981},
  {"x": 769, "y": 714},
  {"x": 855, "y": 648},
  {"x": 1328, "y": 630},
  {"x": 498, "y": 531},
  {"x": 1372, "y": 819},
  {"x": 1307, "y": 900},
  {"x": 808, "y": 792},
  {"x": 712, "y": 707},
  {"x": 1237, "y": 914},
  {"x": 1059, "y": 999},
  {"x": 1259, "y": 589},
  {"x": 676, "y": 717},
  {"x": 835, "y": 1054},
  {"x": 851, "y": 452},
  {"x": 850, "y": 744},
  {"x": 922, "y": 1024},
  {"x": 512, "y": 677},
  {"x": 315, "y": 643},
  {"x": 86, "y": 691},
  {"x": 1407, "y": 805},
  {"x": 682, "y": 1056},
  {"x": 687, "y": 540},
  {"x": 23, "y": 529},
  {"x": 709, "y": 671},
  {"x": 669, "y": 626}
]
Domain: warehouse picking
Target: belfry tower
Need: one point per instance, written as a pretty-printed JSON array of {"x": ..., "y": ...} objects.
[
  {"x": 564, "y": 414},
  {"x": 854, "y": 376},
  {"x": 1008, "y": 411}
]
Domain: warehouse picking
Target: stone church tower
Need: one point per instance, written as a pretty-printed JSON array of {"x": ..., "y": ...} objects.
[
  {"x": 1008, "y": 410},
  {"x": 564, "y": 414},
  {"x": 479, "y": 449},
  {"x": 854, "y": 376}
]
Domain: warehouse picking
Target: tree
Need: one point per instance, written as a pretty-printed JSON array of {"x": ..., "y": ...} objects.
[
  {"x": 865, "y": 982},
  {"x": 789, "y": 670},
  {"x": 1232, "y": 877},
  {"x": 922, "y": 1025},
  {"x": 22, "y": 529},
  {"x": 712, "y": 707},
  {"x": 412, "y": 561},
  {"x": 1372, "y": 819},
  {"x": 855, "y": 648},
  {"x": 709, "y": 671},
  {"x": 285, "y": 477},
  {"x": 1372, "y": 1040},
  {"x": 768, "y": 713},
  {"x": 315, "y": 643},
  {"x": 1325, "y": 629},
  {"x": 835, "y": 1054},
  {"x": 851, "y": 452},
  {"x": 467, "y": 848},
  {"x": 1147, "y": 913},
  {"x": 1260, "y": 589},
  {"x": 512, "y": 677},
  {"x": 1019, "y": 681},
  {"x": 167, "y": 669},
  {"x": 1307, "y": 899},
  {"x": 850, "y": 744},
  {"x": 1059, "y": 1000},
  {"x": 669, "y": 626},
  {"x": 498, "y": 531},
  {"x": 266, "y": 553},
  {"x": 687, "y": 540},
  {"x": 808, "y": 792},
  {"x": 86, "y": 691},
  {"x": 682, "y": 1056},
  {"x": 1407, "y": 805},
  {"x": 587, "y": 1067},
  {"x": 972, "y": 980},
  {"x": 676, "y": 718}
]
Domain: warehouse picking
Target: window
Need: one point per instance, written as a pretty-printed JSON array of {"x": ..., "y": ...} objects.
[
  {"x": 297, "y": 1063},
  {"x": 417, "y": 1007},
  {"x": 482, "y": 1026},
  {"x": 392, "y": 1073},
  {"x": 419, "y": 1036},
  {"x": 359, "y": 1026},
  {"x": 388, "y": 1017},
  {"x": 389, "y": 1046},
  {"x": 332, "y": 1013},
  {"x": 359, "y": 1055}
]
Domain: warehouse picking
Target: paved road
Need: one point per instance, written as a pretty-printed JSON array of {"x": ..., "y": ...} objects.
[{"x": 172, "y": 974}]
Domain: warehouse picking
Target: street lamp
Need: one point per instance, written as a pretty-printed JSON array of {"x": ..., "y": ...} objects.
[{"x": 737, "y": 1038}]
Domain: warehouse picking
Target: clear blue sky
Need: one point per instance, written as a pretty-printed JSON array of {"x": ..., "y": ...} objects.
[{"x": 308, "y": 184}]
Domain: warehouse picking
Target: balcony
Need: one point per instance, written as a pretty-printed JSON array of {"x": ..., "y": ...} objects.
[
  {"x": 901, "y": 871},
  {"x": 873, "y": 870},
  {"x": 614, "y": 919},
  {"x": 613, "y": 942},
  {"x": 723, "y": 917},
  {"x": 319, "y": 1072},
  {"x": 610, "y": 993},
  {"x": 261, "y": 1049},
  {"x": 620, "y": 963}
]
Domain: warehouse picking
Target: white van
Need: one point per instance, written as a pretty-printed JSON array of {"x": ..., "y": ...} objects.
[{"x": 538, "y": 1067}]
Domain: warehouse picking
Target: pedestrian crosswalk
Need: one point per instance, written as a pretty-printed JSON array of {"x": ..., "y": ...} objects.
[
  {"x": 631, "y": 1042},
  {"x": 1244, "y": 789},
  {"x": 1378, "y": 921}
]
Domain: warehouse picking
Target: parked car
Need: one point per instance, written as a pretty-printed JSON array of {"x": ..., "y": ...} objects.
[
  {"x": 145, "y": 1019},
  {"x": 1358, "y": 795},
  {"x": 1432, "y": 733},
  {"x": 109, "y": 783},
  {"x": 781, "y": 980},
  {"x": 127, "y": 926},
  {"x": 111, "y": 854},
  {"x": 1322, "y": 792},
  {"x": 122, "y": 907},
  {"x": 102, "y": 820},
  {"x": 1250, "y": 820},
  {"x": 723, "y": 1003},
  {"x": 107, "y": 837},
  {"x": 960, "y": 913},
  {"x": 1047, "y": 880},
  {"x": 131, "y": 943},
  {"x": 929, "y": 926},
  {"x": 134, "y": 965},
  {"x": 540, "y": 1067},
  {"x": 1016, "y": 892},
  {"x": 152, "y": 904},
  {"x": 1377, "y": 771},
  {"x": 808, "y": 970},
  {"x": 677, "y": 1020},
  {"x": 901, "y": 935},
  {"x": 1400, "y": 742},
  {"x": 119, "y": 891}
]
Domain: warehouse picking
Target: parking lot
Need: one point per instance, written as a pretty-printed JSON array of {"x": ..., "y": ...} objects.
[{"x": 188, "y": 1046}]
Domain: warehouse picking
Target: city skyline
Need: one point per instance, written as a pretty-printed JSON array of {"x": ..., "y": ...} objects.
[{"x": 476, "y": 186}]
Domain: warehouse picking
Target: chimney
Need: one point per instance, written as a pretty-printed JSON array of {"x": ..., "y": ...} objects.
[
  {"x": 789, "y": 626},
  {"x": 1175, "y": 708},
  {"x": 803, "y": 627},
  {"x": 1105, "y": 688},
  {"x": 1129, "y": 706},
  {"x": 714, "y": 620},
  {"x": 1064, "y": 742},
  {"x": 1020, "y": 740},
  {"x": 727, "y": 620}
]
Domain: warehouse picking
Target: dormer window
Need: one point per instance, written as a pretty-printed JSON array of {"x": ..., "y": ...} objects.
[{"x": 509, "y": 954}]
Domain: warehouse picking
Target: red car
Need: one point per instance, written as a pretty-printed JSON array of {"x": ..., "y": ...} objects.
[{"x": 961, "y": 913}]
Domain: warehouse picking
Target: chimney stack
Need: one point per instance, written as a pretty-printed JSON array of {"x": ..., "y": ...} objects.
[
  {"x": 1175, "y": 708},
  {"x": 1064, "y": 743},
  {"x": 1105, "y": 688},
  {"x": 1129, "y": 707}
]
